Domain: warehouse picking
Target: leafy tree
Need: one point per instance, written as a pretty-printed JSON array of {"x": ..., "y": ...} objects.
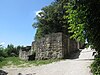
[
  {"x": 10, "y": 48},
  {"x": 84, "y": 19},
  {"x": 12, "y": 51},
  {"x": 51, "y": 19},
  {"x": 17, "y": 50},
  {"x": 9, "y": 51},
  {"x": 2, "y": 53},
  {"x": 93, "y": 21},
  {"x": 90, "y": 11},
  {"x": 77, "y": 20},
  {"x": 81, "y": 17}
]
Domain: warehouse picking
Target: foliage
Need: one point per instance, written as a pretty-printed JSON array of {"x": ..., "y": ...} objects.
[
  {"x": 95, "y": 66},
  {"x": 12, "y": 51},
  {"x": 83, "y": 18},
  {"x": 9, "y": 51},
  {"x": 2, "y": 53},
  {"x": 10, "y": 48},
  {"x": 1, "y": 58},
  {"x": 76, "y": 20},
  {"x": 50, "y": 19},
  {"x": 93, "y": 27}
]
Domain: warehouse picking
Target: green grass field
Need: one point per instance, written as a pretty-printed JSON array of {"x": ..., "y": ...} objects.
[{"x": 15, "y": 61}]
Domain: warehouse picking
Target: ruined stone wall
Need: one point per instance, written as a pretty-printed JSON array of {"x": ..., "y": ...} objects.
[
  {"x": 49, "y": 46},
  {"x": 24, "y": 53},
  {"x": 55, "y": 45}
]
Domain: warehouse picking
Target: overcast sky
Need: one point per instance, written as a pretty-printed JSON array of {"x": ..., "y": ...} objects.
[{"x": 16, "y": 18}]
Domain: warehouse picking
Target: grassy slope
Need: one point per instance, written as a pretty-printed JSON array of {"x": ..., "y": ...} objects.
[{"x": 15, "y": 61}]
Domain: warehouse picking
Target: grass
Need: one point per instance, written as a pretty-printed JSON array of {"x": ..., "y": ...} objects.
[
  {"x": 10, "y": 61},
  {"x": 15, "y": 61}
]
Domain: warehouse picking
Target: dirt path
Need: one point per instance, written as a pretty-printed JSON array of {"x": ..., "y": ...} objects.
[{"x": 78, "y": 66}]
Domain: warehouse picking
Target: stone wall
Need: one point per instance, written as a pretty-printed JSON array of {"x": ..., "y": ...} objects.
[
  {"x": 25, "y": 52},
  {"x": 55, "y": 45}
]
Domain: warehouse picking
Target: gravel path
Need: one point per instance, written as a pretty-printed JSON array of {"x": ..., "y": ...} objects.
[{"x": 78, "y": 66}]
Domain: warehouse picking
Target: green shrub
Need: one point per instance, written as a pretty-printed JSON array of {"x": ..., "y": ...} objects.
[
  {"x": 95, "y": 66},
  {"x": 1, "y": 58}
]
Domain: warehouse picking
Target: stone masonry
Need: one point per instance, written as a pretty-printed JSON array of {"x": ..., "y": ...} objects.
[
  {"x": 55, "y": 45},
  {"x": 25, "y": 52}
]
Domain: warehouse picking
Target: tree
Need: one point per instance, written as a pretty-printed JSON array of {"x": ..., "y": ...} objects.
[
  {"x": 77, "y": 20},
  {"x": 93, "y": 20},
  {"x": 2, "y": 53},
  {"x": 12, "y": 51},
  {"x": 83, "y": 18},
  {"x": 51, "y": 19}
]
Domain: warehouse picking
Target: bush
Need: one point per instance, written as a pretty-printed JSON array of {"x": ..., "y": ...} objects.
[
  {"x": 95, "y": 66},
  {"x": 1, "y": 58}
]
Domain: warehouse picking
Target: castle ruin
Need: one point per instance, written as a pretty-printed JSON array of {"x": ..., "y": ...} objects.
[
  {"x": 51, "y": 46},
  {"x": 55, "y": 45}
]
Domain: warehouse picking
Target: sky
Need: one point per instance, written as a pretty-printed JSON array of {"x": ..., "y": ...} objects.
[{"x": 16, "y": 19}]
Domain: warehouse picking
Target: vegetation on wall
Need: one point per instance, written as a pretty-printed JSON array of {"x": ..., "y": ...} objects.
[{"x": 51, "y": 20}]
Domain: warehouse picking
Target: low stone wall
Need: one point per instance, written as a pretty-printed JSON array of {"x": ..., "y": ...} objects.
[{"x": 55, "y": 45}]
